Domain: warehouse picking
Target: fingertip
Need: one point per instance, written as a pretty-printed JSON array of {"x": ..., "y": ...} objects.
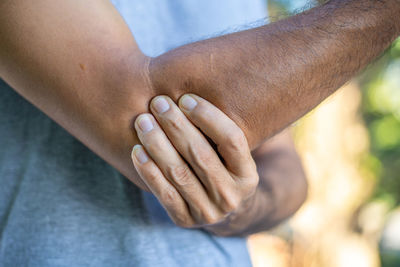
[
  {"x": 139, "y": 154},
  {"x": 160, "y": 104},
  {"x": 144, "y": 122},
  {"x": 188, "y": 102},
  {"x": 140, "y": 117}
]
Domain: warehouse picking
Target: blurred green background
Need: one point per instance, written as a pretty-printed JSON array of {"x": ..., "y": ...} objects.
[
  {"x": 380, "y": 85},
  {"x": 369, "y": 223}
]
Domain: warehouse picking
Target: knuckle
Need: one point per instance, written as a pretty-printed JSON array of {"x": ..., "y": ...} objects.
[
  {"x": 230, "y": 204},
  {"x": 253, "y": 182},
  {"x": 170, "y": 201},
  {"x": 169, "y": 197},
  {"x": 182, "y": 221},
  {"x": 249, "y": 185},
  {"x": 181, "y": 175},
  {"x": 149, "y": 175},
  {"x": 211, "y": 217},
  {"x": 236, "y": 140},
  {"x": 175, "y": 122},
  {"x": 200, "y": 155}
]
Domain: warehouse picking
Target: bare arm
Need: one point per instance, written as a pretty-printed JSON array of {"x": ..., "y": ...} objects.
[
  {"x": 238, "y": 195},
  {"x": 267, "y": 77},
  {"x": 78, "y": 62}
]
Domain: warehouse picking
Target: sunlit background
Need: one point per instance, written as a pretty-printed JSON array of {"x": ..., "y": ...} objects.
[{"x": 350, "y": 148}]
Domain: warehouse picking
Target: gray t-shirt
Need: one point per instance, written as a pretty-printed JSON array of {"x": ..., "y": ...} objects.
[{"x": 61, "y": 205}]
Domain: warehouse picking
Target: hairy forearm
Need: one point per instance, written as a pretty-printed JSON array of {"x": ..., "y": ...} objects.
[{"x": 267, "y": 77}]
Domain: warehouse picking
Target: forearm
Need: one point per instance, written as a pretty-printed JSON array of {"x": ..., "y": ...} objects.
[
  {"x": 78, "y": 63},
  {"x": 267, "y": 77}
]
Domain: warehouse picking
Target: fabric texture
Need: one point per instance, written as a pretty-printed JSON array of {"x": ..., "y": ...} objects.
[{"x": 61, "y": 205}]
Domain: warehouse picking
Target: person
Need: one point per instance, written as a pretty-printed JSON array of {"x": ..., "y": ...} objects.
[
  {"x": 60, "y": 204},
  {"x": 79, "y": 63}
]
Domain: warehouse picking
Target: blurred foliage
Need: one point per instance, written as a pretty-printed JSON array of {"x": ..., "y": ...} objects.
[
  {"x": 381, "y": 112},
  {"x": 283, "y": 8},
  {"x": 390, "y": 259},
  {"x": 380, "y": 84},
  {"x": 353, "y": 155}
]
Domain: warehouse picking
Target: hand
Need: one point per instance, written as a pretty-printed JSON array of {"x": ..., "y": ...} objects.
[{"x": 181, "y": 168}]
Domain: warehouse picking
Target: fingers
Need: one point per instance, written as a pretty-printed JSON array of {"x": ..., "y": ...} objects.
[
  {"x": 161, "y": 188},
  {"x": 229, "y": 138},
  {"x": 174, "y": 168},
  {"x": 183, "y": 168},
  {"x": 193, "y": 146}
]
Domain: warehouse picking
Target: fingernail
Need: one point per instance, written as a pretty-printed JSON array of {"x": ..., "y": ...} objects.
[
  {"x": 140, "y": 154},
  {"x": 188, "y": 102},
  {"x": 160, "y": 104},
  {"x": 145, "y": 123}
]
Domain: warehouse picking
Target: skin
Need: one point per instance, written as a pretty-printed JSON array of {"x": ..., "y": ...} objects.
[
  {"x": 91, "y": 78},
  {"x": 213, "y": 189},
  {"x": 280, "y": 70}
]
